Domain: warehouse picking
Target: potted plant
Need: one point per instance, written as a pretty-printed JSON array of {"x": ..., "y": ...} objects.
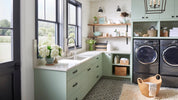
[
  {"x": 124, "y": 15},
  {"x": 95, "y": 20},
  {"x": 49, "y": 53},
  {"x": 91, "y": 42}
]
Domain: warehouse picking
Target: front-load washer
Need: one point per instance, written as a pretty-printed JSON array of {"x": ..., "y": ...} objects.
[
  {"x": 146, "y": 56},
  {"x": 169, "y": 57}
]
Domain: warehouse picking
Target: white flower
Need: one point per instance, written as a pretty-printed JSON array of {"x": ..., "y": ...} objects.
[
  {"x": 54, "y": 52},
  {"x": 43, "y": 51}
]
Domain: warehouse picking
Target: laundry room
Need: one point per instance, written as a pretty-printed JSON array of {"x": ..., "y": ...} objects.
[{"x": 88, "y": 49}]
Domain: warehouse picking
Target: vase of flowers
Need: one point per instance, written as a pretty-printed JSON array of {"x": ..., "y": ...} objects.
[
  {"x": 124, "y": 16},
  {"x": 91, "y": 42},
  {"x": 49, "y": 53}
]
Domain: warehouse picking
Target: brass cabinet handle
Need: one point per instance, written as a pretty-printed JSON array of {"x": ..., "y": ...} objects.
[
  {"x": 97, "y": 66},
  {"x": 172, "y": 16},
  {"x": 89, "y": 69},
  {"x": 75, "y": 85},
  {"x": 75, "y": 71}
]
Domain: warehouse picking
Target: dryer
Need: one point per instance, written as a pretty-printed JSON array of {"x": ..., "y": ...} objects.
[
  {"x": 145, "y": 58},
  {"x": 169, "y": 62},
  {"x": 169, "y": 57}
]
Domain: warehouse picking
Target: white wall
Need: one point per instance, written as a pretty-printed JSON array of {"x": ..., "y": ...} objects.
[
  {"x": 27, "y": 36},
  {"x": 109, "y": 7}
]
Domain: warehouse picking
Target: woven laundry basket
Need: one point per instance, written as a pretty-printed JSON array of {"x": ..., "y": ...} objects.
[{"x": 144, "y": 87}]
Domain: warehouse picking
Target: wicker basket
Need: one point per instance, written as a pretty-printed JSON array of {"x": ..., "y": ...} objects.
[{"x": 144, "y": 87}]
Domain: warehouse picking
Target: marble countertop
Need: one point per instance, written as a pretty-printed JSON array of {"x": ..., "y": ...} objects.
[{"x": 67, "y": 63}]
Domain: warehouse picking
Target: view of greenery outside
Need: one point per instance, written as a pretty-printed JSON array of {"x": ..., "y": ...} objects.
[
  {"x": 5, "y": 41},
  {"x": 71, "y": 35},
  {"x": 46, "y": 33}
]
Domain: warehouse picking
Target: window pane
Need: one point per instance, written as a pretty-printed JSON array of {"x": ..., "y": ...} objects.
[
  {"x": 6, "y": 13},
  {"x": 72, "y": 14},
  {"x": 46, "y": 33},
  {"x": 71, "y": 35},
  {"x": 5, "y": 45},
  {"x": 79, "y": 16},
  {"x": 51, "y": 10},
  {"x": 41, "y": 9}
]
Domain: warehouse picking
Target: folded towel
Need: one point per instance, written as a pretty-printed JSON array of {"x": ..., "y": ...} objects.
[{"x": 152, "y": 88}]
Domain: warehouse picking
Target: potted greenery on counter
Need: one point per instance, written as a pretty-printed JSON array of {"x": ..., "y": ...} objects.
[
  {"x": 91, "y": 42},
  {"x": 49, "y": 53}
]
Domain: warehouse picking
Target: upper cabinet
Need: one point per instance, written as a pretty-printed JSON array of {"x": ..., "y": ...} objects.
[
  {"x": 169, "y": 13},
  {"x": 176, "y": 8},
  {"x": 138, "y": 11}
]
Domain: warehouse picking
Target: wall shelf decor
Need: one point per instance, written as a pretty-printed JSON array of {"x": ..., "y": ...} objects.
[
  {"x": 155, "y": 6},
  {"x": 94, "y": 25}
]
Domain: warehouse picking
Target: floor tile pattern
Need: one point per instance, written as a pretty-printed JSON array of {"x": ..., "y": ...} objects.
[{"x": 106, "y": 89}]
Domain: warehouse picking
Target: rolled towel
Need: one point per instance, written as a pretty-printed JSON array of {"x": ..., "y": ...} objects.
[{"x": 152, "y": 88}]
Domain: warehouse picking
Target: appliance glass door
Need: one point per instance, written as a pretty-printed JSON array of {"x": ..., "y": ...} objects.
[
  {"x": 170, "y": 56},
  {"x": 146, "y": 54}
]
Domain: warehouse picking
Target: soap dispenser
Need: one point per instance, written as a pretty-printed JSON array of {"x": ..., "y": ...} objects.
[{"x": 108, "y": 46}]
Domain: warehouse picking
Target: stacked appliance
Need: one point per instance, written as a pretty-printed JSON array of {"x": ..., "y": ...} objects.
[{"x": 152, "y": 57}]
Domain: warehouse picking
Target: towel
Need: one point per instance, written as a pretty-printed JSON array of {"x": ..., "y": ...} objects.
[{"x": 152, "y": 88}]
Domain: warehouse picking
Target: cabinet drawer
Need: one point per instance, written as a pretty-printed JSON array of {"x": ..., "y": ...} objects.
[
  {"x": 75, "y": 71},
  {"x": 76, "y": 96},
  {"x": 74, "y": 86}
]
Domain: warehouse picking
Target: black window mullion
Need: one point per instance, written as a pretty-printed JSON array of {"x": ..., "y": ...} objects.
[
  {"x": 57, "y": 22},
  {"x": 6, "y": 28},
  {"x": 47, "y": 21}
]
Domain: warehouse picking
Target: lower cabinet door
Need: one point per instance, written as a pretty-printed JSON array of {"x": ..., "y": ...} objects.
[{"x": 73, "y": 86}]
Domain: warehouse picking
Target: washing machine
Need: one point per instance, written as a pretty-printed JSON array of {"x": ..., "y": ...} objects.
[
  {"x": 145, "y": 58},
  {"x": 169, "y": 62}
]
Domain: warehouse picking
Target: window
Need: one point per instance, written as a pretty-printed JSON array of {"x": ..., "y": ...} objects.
[
  {"x": 74, "y": 24},
  {"x": 6, "y": 31},
  {"x": 49, "y": 15}
]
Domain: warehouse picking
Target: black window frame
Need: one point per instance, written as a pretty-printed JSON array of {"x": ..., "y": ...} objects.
[
  {"x": 58, "y": 22},
  {"x": 77, "y": 26}
]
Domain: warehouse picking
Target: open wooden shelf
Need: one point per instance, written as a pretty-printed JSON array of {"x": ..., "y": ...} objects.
[
  {"x": 101, "y": 37},
  {"x": 121, "y": 65},
  {"x": 108, "y": 24}
]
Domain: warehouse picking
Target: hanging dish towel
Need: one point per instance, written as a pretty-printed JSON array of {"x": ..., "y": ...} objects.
[{"x": 152, "y": 88}]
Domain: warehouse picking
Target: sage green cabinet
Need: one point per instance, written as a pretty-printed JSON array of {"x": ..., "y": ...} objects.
[
  {"x": 71, "y": 85},
  {"x": 169, "y": 11},
  {"x": 176, "y": 8},
  {"x": 107, "y": 64},
  {"x": 138, "y": 11}
]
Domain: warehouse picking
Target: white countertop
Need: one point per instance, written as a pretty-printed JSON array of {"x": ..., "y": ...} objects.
[{"x": 66, "y": 64}]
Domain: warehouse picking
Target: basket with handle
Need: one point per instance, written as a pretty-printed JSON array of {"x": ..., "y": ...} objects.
[{"x": 144, "y": 87}]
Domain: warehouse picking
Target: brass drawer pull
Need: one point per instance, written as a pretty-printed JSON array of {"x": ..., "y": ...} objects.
[
  {"x": 89, "y": 69},
  {"x": 97, "y": 76},
  {"x": 75, "y": 71},
  {"x": 75, "y": 85},
  {"x": 97, "y": 66},
  {"x": 97, "y": 58}
]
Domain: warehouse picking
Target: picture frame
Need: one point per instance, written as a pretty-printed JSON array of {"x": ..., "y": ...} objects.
[{"x": 102, "y": 20}]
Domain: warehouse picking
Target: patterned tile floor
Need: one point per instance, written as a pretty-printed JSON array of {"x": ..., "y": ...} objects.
[{"x": 106, "y": 89}]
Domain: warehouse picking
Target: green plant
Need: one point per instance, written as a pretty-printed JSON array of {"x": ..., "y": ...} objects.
[
  {"x": 95, "y": 18},
  {"x": 91, "y": 41}
]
